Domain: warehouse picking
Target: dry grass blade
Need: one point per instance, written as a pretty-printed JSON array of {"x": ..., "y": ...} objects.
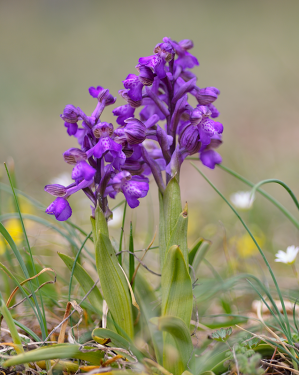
[
  {"x": 25, "y": 281},
  {"x": 61, "y": 323},
  {"x": 79, "y": 310}
]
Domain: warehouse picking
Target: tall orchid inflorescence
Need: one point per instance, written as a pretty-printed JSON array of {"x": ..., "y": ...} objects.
[{"x": 169, "y": 129}]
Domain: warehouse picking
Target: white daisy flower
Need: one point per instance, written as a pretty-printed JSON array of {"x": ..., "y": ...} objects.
[
  {"x": 242, "y": 199},
  {"x": 287, "y": 257}
]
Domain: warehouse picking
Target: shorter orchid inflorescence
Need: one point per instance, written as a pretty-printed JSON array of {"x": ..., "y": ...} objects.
[{"x": 168, "y": 130}]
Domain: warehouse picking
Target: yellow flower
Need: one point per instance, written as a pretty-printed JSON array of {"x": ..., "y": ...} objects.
[
  {"x": 245, "y": 245},
  {"x": 13, "y": 227}
]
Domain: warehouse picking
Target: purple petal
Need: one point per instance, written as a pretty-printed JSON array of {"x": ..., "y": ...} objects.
[
  {"x": 83, "y": 171},
  {"x": 210, "y": 158},
  {"x": 71, "y": 128},
  {"x": 94, "y": 92},
  {"x": 60, "y": 208}
]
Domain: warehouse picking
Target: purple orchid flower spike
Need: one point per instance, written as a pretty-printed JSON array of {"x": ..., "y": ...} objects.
[{"x": 159, "y": 137}]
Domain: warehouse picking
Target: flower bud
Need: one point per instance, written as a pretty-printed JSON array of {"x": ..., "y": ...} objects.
[
  {"x": 70, "y": 114},
  {"x": 74, "y": 156},
  {"x": 103, "y": 129},
  {"x": 125, "y": 96},
  {"x": 146, "y": 75},
  {"x": 135, "y": 131},
  {"x": 189, "y": 139},
  {"x": 165, "y": 50},
  {"x": 207, "y": 95},
  {"x": 56, "y": 190},
  {"x": 186, "y": 44},
  {"x": 102, "y": 95}
]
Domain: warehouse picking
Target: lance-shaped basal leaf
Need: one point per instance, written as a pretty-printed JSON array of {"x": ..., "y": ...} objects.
[
  {"x": 113, "y": 282},
  {"x": 222, "y": 334},
  {"x": 200, "y": 254},
  {"x": 58, "y": 351},
  {"x": 172, "y": 209},
  {"x": 147, "y": 299},
  {"x": 177, "y": 298},
  {"x": 179, "y": 234},
  {"x": 85, "y": 281},
  {"x": 104, "y": 336},
  {"x": 176, "y": 362}
]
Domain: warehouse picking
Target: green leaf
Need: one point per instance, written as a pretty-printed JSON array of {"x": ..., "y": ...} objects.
[
  {"x": 104, "y": 336},
  {"x": 172, "y": 208},
  {"x": 58, "y": 351},
  {"x": 177, "y": 298},
  {"x": 200, "y": 254},
  {"x": 147, "y": 299},
  {"x": 179, "y": 234},
  {"x": 85, "y": 281},
  {"x": 114, "y": 284},
  {"x": 11, "y": 326},
  {"x": 222, "y": 334},
  {"x": 15, "y": 250},
  {"x": 183, "y": 343},
  {"x": 194, "y": 249}
]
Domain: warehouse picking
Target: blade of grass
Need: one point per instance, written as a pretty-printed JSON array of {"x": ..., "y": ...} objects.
[
  {"x": 27, "y": 330},
  {"x": 288, "y": 331},
  {"x": 42, "y": 314},
  {"x": 264, "y": 194},
  {"x": 13, "y": 246},
  {"x": 274, "y": 180},
  {"x": 121, "y": 235}
]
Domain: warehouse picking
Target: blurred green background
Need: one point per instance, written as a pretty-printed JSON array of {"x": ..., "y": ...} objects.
[{"x": 52, "y": 51}]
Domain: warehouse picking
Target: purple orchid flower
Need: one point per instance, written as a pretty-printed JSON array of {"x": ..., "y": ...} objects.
[
  {"x": 60, "y": 208},
  {"x": 134, "y": 85},
  {"x": 123, "y": 112},
  {"x": 133, "y": 188}
]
